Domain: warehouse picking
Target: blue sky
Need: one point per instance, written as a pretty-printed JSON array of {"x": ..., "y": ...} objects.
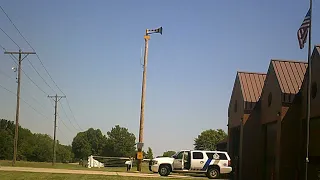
[{"x": 93, "y": 50}]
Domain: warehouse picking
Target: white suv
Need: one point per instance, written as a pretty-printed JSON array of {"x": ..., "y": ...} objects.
[{"x": 213, "y": 163}]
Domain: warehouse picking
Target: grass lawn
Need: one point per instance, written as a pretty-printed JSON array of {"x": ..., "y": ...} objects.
[
  {"x": 5, "y": 175},
  {"x": 145, "y": 168}
]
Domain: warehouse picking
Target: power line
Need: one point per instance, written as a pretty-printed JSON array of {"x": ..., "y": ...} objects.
[
  {"x": 31, "y": 106},
  {"x": 73, "y": 114},
  {"x": 12, "y": 58},
  {"x": 29, "y": 77},
  {"x": 24, "y": 102},
  {"x": 40, "y": 75},
  {"x": 60, "y": 118},
  {"x": 40, "y": 62},
  {"x": 14, "y": 25},
  {"x": 31, "y": 48},
  {"x": 4, "y": 49},
  {"x": 27, "y": 43},
  {"x": 9, "y": 37},
  {"x": 67, "y": 115},
  {"x": 3, "y": 73}
]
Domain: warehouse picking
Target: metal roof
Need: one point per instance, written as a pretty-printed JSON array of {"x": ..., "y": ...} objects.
[
  {"x": 251, "y": 85},
  {"x": 290, "y": 74}
]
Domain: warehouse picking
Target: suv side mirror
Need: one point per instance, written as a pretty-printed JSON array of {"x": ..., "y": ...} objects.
[{"x": 174, "y": 156}]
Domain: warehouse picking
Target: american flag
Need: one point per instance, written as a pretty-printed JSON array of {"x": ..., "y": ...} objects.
[{"x": 304, "y": 29}]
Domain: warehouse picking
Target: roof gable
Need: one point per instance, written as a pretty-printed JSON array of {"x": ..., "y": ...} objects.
[
  {"x": 251, "y": 85},
  {"x": 290, "y": 74}
]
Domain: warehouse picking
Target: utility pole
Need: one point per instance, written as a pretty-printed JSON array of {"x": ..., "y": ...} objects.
[
  {"x": 144, "y": 81},
  {"x": 56, "y": 99},
  {"x": 15, "y": 142}
]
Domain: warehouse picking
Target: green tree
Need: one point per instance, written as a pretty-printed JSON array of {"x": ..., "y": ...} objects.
[
  {"x": 6, "y": 139},
  {"x": 64, "y": 153},
  {"x": 120, "y": 142},
  {"x": 168, "y": 153},
  {"x": 90, "y": 142},
  {"x": 81, "y": 146},
  {"x": 31, "y": 147},
  {"x": 149, "y": 154},
  {"x": 26, "y": 144},
  {"x": 97, "y": 141},
  {"x": 6, "y": 144},
  {"x": 42, "y": 148},
  {"x": 208, "y": 139}
]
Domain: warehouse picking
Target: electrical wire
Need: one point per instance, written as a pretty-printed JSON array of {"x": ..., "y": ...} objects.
[
  {"x": 28, "y": 76},
  {"x": 73, "y": 114},
  {"x": 39, "y": 74},
  {"x": 3, "y": 73},
  {"x": 67, "y": 116},
  {"x": 40, "y": 62},
  {"x": 4, "y": 49},
  {"x": 24, "y": 102},
  {"x": 31, "y": 48},
  {"x": 9, "y": 37},
  {"x": 60, "y": 118},
  {"x": 47, "y": 118}
]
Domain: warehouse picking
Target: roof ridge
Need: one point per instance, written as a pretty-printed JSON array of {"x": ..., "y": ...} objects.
[
  {"x": 247, "y": 72},
  {"x": 292, "y": 61}
]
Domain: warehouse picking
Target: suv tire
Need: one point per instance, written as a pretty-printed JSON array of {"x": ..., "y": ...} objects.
[
  {"x": 164, "y": 170},
  {"x": 213, "y": 173}
]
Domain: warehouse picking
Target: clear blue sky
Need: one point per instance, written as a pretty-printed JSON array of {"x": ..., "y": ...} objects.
[{"x": 92, "y": 50}]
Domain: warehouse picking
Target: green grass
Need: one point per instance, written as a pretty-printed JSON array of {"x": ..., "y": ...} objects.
[
  {"x": 144, "y": 169},
  {"x": 7, "y": 175}
]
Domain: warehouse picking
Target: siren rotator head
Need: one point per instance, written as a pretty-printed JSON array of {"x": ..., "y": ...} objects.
[{"x": 151, "y": 31}]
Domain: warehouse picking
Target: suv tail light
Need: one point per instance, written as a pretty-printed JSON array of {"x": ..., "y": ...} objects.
[{"x": 229, "y": 163}]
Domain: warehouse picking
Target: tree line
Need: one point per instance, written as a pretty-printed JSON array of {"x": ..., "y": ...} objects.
[
  {"x": 118, "y": 142},
  {"x": 31, "y": 146}
]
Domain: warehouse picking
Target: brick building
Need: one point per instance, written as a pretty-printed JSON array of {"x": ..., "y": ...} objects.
[
  {"x": 246, "y": 92},
  {"x": 269, "y": 135}
]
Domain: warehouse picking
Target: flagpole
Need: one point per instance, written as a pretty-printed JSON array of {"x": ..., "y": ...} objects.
[{"x": 308, "y": 94}]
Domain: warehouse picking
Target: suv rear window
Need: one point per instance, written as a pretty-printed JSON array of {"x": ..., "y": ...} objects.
[
  {"x": 197, "y": 155},
  {"x": 222, "y": 156}
]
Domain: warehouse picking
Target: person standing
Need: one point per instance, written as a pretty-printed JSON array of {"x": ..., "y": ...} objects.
[{"x": 129, "y": 163}]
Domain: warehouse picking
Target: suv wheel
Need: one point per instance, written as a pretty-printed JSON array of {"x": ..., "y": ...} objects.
[
  {"x": 164, "y": 170},
  {"x": 213, "y": 173}
]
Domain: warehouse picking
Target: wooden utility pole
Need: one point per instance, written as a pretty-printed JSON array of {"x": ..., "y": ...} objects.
[
  {"x": 144, "y": 81},
  {"x": 15, "y": 142},
  {"x": 56, "y": 99}
]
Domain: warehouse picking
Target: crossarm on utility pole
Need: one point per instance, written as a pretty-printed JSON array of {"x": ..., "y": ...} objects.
[{"x": 8, "y": 52}]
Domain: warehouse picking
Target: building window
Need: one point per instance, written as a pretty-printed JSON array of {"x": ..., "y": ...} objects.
[
  {"x": 289, "y": 97},
  {"x": 269, "y": 99},
  {"x": 314, "y": 90},
  {"x": 236, "y": 106}
]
